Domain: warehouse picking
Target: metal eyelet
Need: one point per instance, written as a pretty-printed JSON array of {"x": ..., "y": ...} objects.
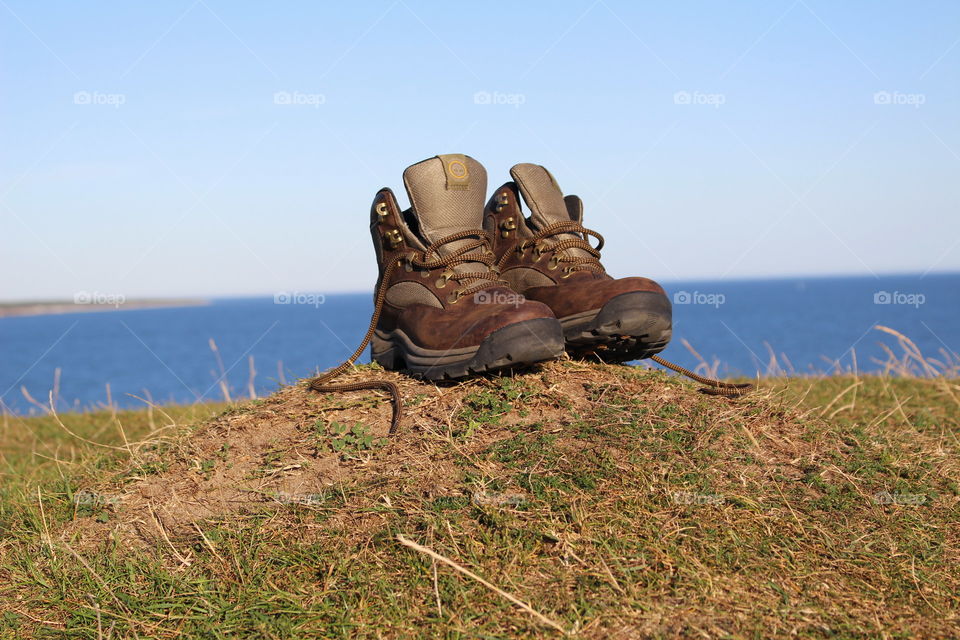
[
  {"x": 407, "y": 266},
  {"x": 453, "y": 297},
  {"x": 381, "y": 210},
  {"x": 393, "y": 238},
  {"x": 553, "y": 264},
  {"x": 502, "y": 201},
  {"x": 443, "y": 279},
  {"x": 507, "y": 226}
]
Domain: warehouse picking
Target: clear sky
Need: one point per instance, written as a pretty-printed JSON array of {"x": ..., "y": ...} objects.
[{"x": 146, "y": 152}]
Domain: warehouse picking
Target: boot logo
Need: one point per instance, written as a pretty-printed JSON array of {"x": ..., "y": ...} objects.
[{"x": 457, "y": 169}]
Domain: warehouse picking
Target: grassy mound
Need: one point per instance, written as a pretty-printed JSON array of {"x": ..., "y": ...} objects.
[{"x": 611, "y": 502}]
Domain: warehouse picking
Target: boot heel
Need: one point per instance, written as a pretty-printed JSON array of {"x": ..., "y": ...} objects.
[{"x": 386, "y": 353}]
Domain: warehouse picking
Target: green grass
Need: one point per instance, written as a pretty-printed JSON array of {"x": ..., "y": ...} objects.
[{"x": 618, "y": 503}]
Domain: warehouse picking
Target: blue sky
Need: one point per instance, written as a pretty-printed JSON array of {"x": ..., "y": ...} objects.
[{"x": 145, "y": 151}]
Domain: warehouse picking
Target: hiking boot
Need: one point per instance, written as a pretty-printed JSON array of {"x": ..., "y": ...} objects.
[
  {"x": 547, "y": 257},
  {"x": 443, "y": 310}
]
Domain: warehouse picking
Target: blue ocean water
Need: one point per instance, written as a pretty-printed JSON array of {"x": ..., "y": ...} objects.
[{"x": 165, "y": 352}]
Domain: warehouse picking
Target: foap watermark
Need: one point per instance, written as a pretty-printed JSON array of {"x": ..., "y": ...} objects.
[
  {"x": 299, "y": 99},
  {"x": 697, "y": 297},
  {"x": 715, "y": 100},
  {"x": 886, "y": 497},
  {"x": 497, "y": 499},
  {"x": 914, "y": 100},
  {"x": 898, "y": 297},
  {"x": 296, "y": 297},
  {"x": 96, "y": 499},
  {"x": 499, "y": 98},
  {"x": 690, "y": 497},
  {"x": 100, "y": 98},
  {"x": 498, "y": 297},
  {"x": 99, "y": 298},
  {"x": 308, "y": 499}
]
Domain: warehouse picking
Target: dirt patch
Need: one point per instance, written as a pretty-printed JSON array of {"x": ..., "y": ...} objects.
[{"x": 277, "y": 452}]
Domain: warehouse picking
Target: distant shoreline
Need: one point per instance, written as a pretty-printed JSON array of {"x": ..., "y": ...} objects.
[{"x": 60, "y": 307}]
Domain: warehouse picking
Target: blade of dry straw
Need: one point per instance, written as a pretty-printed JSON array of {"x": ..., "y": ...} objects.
[{"x": 450, "y": 563}]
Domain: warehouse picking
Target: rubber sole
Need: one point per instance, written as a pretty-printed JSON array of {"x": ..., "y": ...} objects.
[
  {"x": 631, "y": 326},
  {"x": 515, "y": 345}
]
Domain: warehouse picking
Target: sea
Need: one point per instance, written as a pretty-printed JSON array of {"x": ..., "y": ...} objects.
[{"x": 239, "y": 347}]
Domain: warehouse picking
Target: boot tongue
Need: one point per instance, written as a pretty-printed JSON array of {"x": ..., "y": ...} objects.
[
  {"x": 541, "y": 193},
  {"x": 447, "y": 195},
  {"x": 544, "y": 200}
]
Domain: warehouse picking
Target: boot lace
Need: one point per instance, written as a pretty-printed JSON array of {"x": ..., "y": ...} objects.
[
  {"x": 429, "y": 259},
  {"x": 559, "y": 249},
  {"x": 711, "y": 387},
  {"x": 477, "y": 251}
]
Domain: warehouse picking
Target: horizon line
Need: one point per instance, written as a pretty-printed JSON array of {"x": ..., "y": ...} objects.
[{"x": 238, "y": 296}]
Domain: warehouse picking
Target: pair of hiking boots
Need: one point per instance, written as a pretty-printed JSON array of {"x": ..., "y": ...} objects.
[{"x": 466, "y": 287}]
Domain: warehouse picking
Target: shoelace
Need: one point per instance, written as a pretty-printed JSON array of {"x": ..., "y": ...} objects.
[
  {"x": 428, "y": 259},
  {"x": 475, "y": 280},
  {"x": 559, "y": 248},
  {"x": 711, "y": 387}
]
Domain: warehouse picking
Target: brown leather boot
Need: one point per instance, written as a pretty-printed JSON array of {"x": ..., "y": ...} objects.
[
  {"x": 443, "y": 310},
  {"x": 548, "y": 258}
]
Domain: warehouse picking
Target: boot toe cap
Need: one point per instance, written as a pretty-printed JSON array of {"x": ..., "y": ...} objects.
[{"x": 467, "y": 322}]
